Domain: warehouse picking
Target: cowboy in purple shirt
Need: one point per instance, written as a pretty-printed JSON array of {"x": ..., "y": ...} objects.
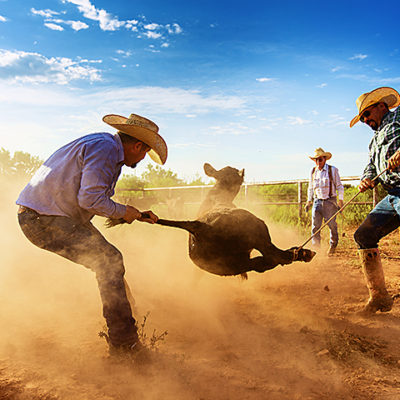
[{"x": 76, "y": 183}]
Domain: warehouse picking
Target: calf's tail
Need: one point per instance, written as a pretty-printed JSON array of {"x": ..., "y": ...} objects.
[{"x": 190, "y": 226}]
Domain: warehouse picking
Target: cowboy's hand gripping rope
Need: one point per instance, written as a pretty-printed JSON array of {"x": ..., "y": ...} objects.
[{"x": 339, "y": 211}]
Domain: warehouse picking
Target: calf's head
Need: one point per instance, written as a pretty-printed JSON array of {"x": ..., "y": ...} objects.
[{"x": 227, "y": 178}]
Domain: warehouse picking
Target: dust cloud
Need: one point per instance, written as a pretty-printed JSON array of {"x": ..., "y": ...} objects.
[{"x": 227, "y": 338}]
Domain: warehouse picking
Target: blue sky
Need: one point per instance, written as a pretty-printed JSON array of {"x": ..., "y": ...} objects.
[{"x": 256, "y": 85}]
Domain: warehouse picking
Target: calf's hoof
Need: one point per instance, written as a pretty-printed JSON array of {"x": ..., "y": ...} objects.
[{"x": 305, "y": 255}]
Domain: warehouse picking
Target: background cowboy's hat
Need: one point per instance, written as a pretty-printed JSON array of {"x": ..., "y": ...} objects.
[
  {"x": 142, "y": 129},
  {"x": 320, "y": 153},
  {"x": 383, "y": 94}
]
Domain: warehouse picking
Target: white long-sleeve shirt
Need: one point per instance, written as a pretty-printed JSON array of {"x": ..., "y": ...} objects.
[{"x": 318, "y": 186}]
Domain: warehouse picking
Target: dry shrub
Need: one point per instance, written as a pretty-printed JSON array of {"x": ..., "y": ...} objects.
[{"x": 350, "y": 348}]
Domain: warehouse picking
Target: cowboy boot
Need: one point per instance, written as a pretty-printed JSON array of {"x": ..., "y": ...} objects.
[{"x": 379, "y": 298}]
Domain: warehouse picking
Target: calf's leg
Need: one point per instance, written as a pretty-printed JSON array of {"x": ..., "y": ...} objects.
[{"x": 272, "y": 256}]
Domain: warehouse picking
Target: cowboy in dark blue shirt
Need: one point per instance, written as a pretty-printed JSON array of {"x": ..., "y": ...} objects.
[
  {"x": 384, "y": 152},
  {"x": 76, "y": 183}
]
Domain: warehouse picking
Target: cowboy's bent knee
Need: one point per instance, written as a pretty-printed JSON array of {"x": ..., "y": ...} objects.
[
  {"x": 112, "y": 263},
  {"x": 363, "y": 238}
]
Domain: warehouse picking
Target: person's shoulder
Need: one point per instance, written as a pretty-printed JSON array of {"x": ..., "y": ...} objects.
[
  {"x": 99, "y": 139},
  {"x": 396, "y": 115},
  {"x": 390, "y": 119},
  {"x": 335, "y": 169}
]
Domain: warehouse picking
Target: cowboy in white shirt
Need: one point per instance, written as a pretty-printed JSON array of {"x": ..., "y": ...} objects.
[{"x": 323, "y": 188}]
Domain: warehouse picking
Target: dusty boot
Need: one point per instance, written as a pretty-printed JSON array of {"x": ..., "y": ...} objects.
[
  {"x": 331, "y": 251},
  {"x": 379, "y": 298}
]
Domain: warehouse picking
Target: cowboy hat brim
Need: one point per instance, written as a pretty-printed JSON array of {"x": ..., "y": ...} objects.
[
  {"x": 326, "y": 154},
  {"x": 386, "y": 95},
  {"x": 158, "y": 152}
]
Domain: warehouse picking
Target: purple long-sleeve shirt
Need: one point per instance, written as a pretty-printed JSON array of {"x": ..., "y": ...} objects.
[{"x": 78, "y": 180}]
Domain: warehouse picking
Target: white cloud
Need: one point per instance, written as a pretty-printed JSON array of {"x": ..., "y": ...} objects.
[
  {"x": 152, "y": 35},
  {"x": 335, "y": 69},
  {"x": 264, "y": 79},
  {"x": 53, "y": 27},
  {"x": 191, "y": 144},
  {"x": 151, "y": 27},
  {"x": 232, "y": 128},
  {"x": 272, "y": 123},
  {"x": 77, "y": 25},
  {"x": 298, "y": 121},
  {"x": 131, "y": 24},
  {"x": 359, "y": 57},
  {"x": 152, "y": 49},
  {"x": 20, "y": 66},
  {"x": 322, "y": 85},
  {"x": 165, "y": 45},
  {"x": 44, "y": 13},
  {"x": 53, "y": 23},
  {"x": 174, "y": 29},
  {"x": 124, "y": 53},
  {"x": 147, "y": 99},
  {"x": 3, "y": 19},
  {"x": 106, "y": 21},
  {"x": 165, "y": 100}
]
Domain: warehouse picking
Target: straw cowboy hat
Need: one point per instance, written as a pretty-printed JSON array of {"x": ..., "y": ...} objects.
[
  {"x": 142, "y": 129},
  {"x": 383, "y": 94},
  {"x": 320, "y": 153}
]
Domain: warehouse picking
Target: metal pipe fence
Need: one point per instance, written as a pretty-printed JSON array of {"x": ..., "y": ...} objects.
[{"x": 169, "y": 192}]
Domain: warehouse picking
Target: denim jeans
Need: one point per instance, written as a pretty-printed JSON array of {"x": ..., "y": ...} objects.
[
  {"x": 323, "y": 210},
  {"x": 382, "y": 220},
  {"x": 85, "y": 245}
]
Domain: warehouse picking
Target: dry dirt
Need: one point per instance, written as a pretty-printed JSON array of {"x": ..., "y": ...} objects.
[{"x": 290, "y": 333}]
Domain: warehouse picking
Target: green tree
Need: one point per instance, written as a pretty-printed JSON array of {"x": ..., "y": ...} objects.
[
  {"x": 5, "y": 162},
  {"x": 19, "y": 165},
  {"x": 197, "y": 181},
  {"x": 130, "y": 182},
  {"x": 156, "y": 176}
]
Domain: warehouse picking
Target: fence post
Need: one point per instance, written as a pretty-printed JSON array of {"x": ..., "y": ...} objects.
[
  {"x": 299, "y": 197},
  {"x": 245, "y": 195}
]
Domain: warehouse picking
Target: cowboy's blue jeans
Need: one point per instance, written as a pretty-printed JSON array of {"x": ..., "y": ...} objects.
[
  {"x": 382, "y": 220},
  {"x": 85, "y": 245},
  {"x": 322, "y": 210}
]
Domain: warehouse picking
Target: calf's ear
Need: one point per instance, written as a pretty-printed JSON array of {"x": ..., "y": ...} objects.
[
  {"x": 209, "y": 170},
  {"x": 241, "y": 173}
]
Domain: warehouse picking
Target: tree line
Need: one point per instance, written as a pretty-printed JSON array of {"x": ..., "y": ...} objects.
[{"x": 23, "y": 165}]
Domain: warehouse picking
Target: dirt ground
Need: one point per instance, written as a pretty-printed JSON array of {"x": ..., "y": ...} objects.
[{"x": 290, "y": 333}]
